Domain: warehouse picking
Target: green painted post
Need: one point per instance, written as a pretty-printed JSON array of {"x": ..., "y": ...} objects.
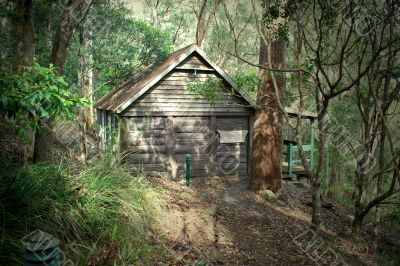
[
  {"x": 290, "y": 158},
  {"x": 312, "y": 144},
  {"x": 188, "y": 158}
]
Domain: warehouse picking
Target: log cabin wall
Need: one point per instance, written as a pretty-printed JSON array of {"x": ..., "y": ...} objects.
[{"x": 169, "y": 121}]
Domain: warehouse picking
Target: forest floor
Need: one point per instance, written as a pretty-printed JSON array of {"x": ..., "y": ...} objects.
[{"x": 218, "y": 221}]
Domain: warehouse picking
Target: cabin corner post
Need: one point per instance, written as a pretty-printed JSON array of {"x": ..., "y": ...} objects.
[
  {"x": 170, "y": 139},
  {"x": 123, "y": 135},
  {"x": 100, "y": 128},
  {"x": 117, "y": 143},
  {"x": 212, "y": 147}
]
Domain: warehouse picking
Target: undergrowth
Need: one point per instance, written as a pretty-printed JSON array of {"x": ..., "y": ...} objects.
[{"x": 99, "y": 211}]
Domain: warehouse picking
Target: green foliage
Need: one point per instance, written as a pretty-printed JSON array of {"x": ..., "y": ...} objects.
[
  {"x": 247, "y": 81},
  {"x": 38, "y": 91},
  {"x": 211, "y": 89},
  {"x": 94, "y": 209},
  {"x": 119, "y": 45}
]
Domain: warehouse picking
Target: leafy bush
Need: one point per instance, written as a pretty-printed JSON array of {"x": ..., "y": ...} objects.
[
  {"x": 99, "y": 211},
  {"x": 37, "y": 91}
]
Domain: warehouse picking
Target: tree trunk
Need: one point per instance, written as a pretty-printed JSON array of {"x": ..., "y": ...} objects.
[
  {"x": 43, "y": 139},
  {"x": 73, "y": 11},
  {"x": 333, "y": 180},
  {"x": 25, "y": 53},
  {"x": 25, "y": 33},
  {"x": 205, "y": 17},
  {"x": 266, "y": 153},
  {"x": 316, "y": 177},
  {"x": 86, "y": 75},
  {"x": 357, "y": 223}
]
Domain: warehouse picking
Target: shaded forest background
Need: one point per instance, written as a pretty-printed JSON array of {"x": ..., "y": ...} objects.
[{"x": 339, "y": 60}]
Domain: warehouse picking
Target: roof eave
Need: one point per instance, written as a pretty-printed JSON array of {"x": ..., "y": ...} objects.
[{"x": 182, "y": 57}]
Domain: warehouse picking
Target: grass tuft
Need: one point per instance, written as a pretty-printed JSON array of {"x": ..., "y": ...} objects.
[{"x": 99, "y": 211}]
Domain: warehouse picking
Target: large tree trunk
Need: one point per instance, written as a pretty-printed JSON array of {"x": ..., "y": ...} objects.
[
  {"x": 74, "y": 10},
  {"x": 266, "y": 153}
]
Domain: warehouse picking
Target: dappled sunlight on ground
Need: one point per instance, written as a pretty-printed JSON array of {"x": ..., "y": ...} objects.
[{"x": 219, "y": 221}]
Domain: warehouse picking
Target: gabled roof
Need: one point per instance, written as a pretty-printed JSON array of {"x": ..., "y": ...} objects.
[{"x": 124, "y": 95}]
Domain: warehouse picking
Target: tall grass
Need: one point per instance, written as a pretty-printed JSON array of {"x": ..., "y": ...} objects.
[{"x": 99, "y": 211}]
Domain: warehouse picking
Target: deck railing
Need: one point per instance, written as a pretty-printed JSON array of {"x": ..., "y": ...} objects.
[{"x": 293, "y": 149}]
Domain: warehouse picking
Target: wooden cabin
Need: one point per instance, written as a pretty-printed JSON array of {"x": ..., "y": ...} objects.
[{"x": 158, "y": 120}]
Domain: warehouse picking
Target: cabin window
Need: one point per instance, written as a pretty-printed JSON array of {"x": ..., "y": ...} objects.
[{"x": 232, "y": 136}]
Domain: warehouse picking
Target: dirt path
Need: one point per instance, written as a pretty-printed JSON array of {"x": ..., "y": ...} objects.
[{"x": 219, "y": 222}]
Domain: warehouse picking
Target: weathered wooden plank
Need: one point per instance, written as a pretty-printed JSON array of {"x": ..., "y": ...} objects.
[
  {"x": 186, "y": 104},
  {"x": 194, "y": 128},
  {"x": 171, "y": 91},
  {"x": 181, "y": 113},
  {"x": 152, "y": 97},
  {"x": 190, "y": 150},
  {"x": 148, "y": 149},
  {"x": 172, "y": 100},
  {"x": 145, "y": 141},
  {"x": 163, "y": 99},
  {"x": 189, "y": 141},
  {"x": 191, "y": 118},
  {"x": 189, "y": 78},
  {"x": 148, "y": 119},
  {"x": 155, "y": 133},
  {"x": 191, "y": 136},
  {"x": 165, "y": 93},
  {"x": 170, "y": 137},
  {"x": 145, "y": 126},
  {"x": 232, "y": 123},
  {"x": 172, "y": 82},
  {"x": 191, "y": 74},
  {"x": 185, "y": 108}
]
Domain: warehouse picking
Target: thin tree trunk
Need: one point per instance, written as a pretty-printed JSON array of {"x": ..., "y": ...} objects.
[
  {"x": 25, "y": 33},
  {"x": 322, "y": 104},
  {"x": 266, "y": 154},
  {"x": 333, "y": 180},
  {"x": 205, "y": 16},
  {"x": 25, "y": 54},
  {"x": 86, "y": 75},
  {"x": 74, "y": 10}
]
